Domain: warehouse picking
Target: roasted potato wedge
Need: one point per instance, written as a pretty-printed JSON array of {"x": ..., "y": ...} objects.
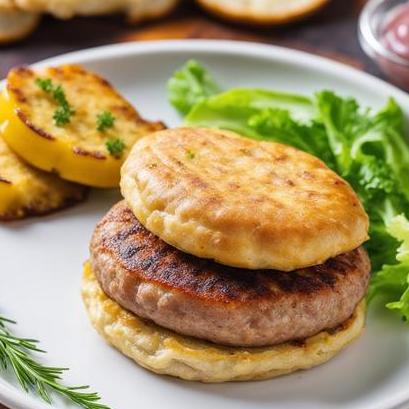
[
  {"x": 25, "y": 191},
  {"x": 70, "y": 121}
]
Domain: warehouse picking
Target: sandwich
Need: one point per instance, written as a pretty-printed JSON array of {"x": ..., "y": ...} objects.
[{"x": 228, "y": 259}]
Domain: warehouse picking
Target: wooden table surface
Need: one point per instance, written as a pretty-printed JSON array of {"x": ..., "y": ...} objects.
[{"x": 331, "y": 33}]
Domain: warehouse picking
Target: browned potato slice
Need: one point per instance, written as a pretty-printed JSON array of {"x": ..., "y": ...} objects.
[
  {"x": 48, "y": 137},
  {"x": 25, "y": 191}
]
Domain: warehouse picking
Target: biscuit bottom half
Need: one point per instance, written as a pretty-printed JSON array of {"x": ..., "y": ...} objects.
[{"x": 165, "y": 352}]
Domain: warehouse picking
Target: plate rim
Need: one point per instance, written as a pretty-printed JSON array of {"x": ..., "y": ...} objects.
[
  {"x": 16, "y": 399},
  {"x": 230, "y": 47}
]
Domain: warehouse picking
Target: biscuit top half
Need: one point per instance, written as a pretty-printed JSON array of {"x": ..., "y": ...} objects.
[{"x": 240, "y": 202}]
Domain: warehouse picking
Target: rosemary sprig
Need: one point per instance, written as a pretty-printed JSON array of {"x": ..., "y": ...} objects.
[{"x": 32, "y": 375}]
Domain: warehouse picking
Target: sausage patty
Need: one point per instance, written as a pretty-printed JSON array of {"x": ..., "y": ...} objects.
[{"x": 225, "y": 305}]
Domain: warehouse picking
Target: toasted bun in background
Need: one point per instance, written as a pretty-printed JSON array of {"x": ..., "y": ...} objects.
[
  {"x": 241, "y": 202},
  {"x": 25, "y": 191},
  {"x": 139, "y": 10},
  {"x": 15, "y": 24},
  {"x": 165, "y": 352},
  {"x": 77, "y": 150},
  {"x": 136, "y": 10},
  {"x": 265, "y": 12}
]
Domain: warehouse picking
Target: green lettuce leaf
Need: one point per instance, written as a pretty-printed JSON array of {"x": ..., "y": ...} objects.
[
  {"x": 277, "y": 125},
  {"x": 264, "y": 115},
  {"x": 371, "y": 151},
  {"x": 190, "y": 85},
  {"x": 392, "y": 282},
  {"x": 300, "y": 108}
]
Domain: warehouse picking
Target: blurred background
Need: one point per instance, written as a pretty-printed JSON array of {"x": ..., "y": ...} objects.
[{"x": 31, "y": 30}]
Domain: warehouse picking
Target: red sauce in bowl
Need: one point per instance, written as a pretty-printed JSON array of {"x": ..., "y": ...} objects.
[{"x": 395, "y": 35}]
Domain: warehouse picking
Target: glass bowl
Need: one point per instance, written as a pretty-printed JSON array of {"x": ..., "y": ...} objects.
[{"x": 372, "y": 21}]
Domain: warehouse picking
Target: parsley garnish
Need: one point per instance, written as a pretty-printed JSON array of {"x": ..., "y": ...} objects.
[
  {"x": 105, "y": 120},
  {"x": 45, "y": 84},
  {"x": 16, "y": 353},
  {"x": 59, "y": 95},
  {"x": 63, "y": 113},
  {"x": 190, "y": 154},
  {"x": 115, "y": 147}
]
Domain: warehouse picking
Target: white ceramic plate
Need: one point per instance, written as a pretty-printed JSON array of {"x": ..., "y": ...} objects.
[{"x": 41, "y": 259}]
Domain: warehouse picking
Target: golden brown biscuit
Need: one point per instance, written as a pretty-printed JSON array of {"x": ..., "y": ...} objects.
[
  {"x": 241, "y": 202},
  {"x": 268, "y": 12},
  {"x": 165, "y": 352}
]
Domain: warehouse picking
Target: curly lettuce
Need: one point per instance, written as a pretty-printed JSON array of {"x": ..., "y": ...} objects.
[
  {"x": 392, "y": 281},
  {"x": 190, "y": 85},
  {"x": 369, "y": 149}
]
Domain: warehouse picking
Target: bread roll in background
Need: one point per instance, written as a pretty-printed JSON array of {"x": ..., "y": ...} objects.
[
  {"x": 136, "y": 10},
  {"x": 14, "y": 23},
  {"x": 18, "y": 18},
  {"x": 263, "y": 12}
]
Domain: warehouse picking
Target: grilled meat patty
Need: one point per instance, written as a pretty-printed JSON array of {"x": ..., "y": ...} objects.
[{"x": 225, "y": 305}]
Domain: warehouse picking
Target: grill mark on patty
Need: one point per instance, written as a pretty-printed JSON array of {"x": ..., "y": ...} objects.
[
  {"x": 148, "y": 257},
  {"x": 142, "y": 253}
]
